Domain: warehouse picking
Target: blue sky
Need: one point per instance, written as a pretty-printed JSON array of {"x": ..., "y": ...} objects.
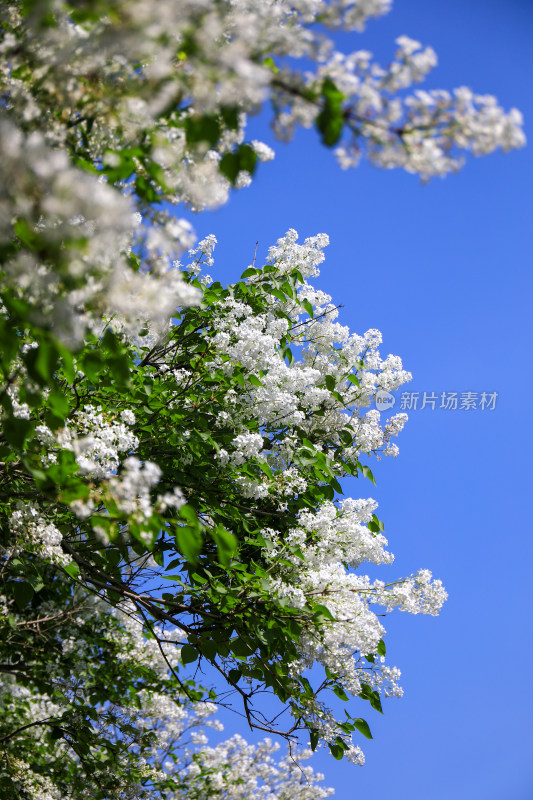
[{"x": 444, "y": 271}]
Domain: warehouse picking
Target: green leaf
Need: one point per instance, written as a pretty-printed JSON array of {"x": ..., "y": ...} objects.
[
  {"x": 339, "y": 691},
  {"x": 189, "y": 654},
  {"x": 188, "y": 513},
  {"x": 91, "y": 364},
  {"x": 288, "y": 290},
  {"x": 249, "y": 272},
  {"x": 9, "y": 337},
  {"x": 337, "y": 751},
  {"x": 381, "y": 648},
  {"x": 111, "y": 343},
  {"x": 330, "y": 382},
  {"x": 208, "y": 648},
  {"x": 113, "y": 597},
  {"x": 226, "y": 544},
  {"x": 279, "y": 295},
  {"x": 234, "y": 675},
  {"x": 73, "y": 489},
  {"x": 313, "y": 738},
  {"x": 58, "y": 403},
  {"x": 120, "y": 368},
  {"x": 240, "y": 648},
  {"x": 23, "y": 594},
  {"x": 367, "y": 472},
  {"x": 189, "y": 542},
  {"x": 26, "y": 234},
  {"x": 229, "y": 166},
  {"x": 330, "y": 121},
  {"x": 113, "y": 558},
  {"x": 248, "y": 158},
  {"x": 270, "y": 63},
  {"x": 265, "y": 466},
  {"x": 346, "y": 438},
  {"x": 379, "y": 523},
  {"x": 125, "y": 166},
  {"x": 362, "y": 727},
  {"x": 35, "y": 581},
  {"x": 367, "y": 693},
  {"x": 334, "y": 483},
  {"x": 64, "y": 469},
  {"x": 145, "y": 190},
  {"x": 322, "y": 611},
  {"x": 244, "y": 158},
  {"x": 375, "y": 702},
  {"x": 203, "y": 129},
  {"x": 230, "y": 116},
  {"x": 308, "y": 307},
  {"x": 72, "y": 569},
  {"x": 16, "y": 431},
  {"x": 287, "y": 353},
  {"x": 41, "y": 361}
]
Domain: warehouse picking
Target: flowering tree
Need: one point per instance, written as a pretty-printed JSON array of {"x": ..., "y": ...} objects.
[{"x": 172, "y": 448}]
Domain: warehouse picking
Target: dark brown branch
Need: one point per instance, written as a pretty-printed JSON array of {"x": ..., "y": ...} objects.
[{"x": 47, "y": 721}]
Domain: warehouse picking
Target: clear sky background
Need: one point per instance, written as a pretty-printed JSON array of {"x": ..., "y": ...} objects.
[{"x": 444, "y": 271}]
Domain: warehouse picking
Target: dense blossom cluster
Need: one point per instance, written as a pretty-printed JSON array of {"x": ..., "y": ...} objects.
[
  {"x": 152, "y": 99},
  {"x": 78, "y": 270},
  {"x": 278, "y": 426},
  {"x": 173, "y": 452},
  {"x": 177, "y": 754},
  {"x": 34, "y": 534},
  {"x": 327, "y": 543},
  {"x": 237, "y": 769}
]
